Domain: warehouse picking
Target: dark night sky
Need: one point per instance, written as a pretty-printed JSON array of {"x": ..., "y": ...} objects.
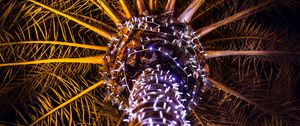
[
  {"x": 292, "y": 18},
  {"x": 289, "y": 17}
]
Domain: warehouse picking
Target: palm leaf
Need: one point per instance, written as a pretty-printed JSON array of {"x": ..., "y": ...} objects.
[{"x": 62, "y": 44}]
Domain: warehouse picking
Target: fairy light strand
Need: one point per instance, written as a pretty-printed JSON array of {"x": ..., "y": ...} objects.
[{"x": 158, "y": 67}]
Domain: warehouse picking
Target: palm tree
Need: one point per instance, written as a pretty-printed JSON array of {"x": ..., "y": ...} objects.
[{"x": 97, "y": 62}]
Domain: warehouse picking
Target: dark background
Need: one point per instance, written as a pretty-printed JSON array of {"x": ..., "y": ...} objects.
[{"x": 285, "y": 16}]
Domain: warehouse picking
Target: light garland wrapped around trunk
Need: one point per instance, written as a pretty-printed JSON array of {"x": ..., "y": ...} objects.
[{"x": 160, "y": 64}]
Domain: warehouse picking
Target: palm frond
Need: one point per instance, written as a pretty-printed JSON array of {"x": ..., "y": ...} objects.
[
  {"x": 51, "y": 60},
  {"x": 46, "y": 104},
  {"x": 214, "y": 54},
  {"x": 109, "y": 11},
  {"x": 92, "y": 60},
  {"x": 101, "y": 32},
  {"x": 85, "y": 46},
  {"x": 205, "y": 30},
  {"x": 187, "y": 15},
  {"x": 142, "y": 10}
]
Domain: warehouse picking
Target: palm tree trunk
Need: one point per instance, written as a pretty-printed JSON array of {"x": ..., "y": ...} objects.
[
  {"x": 154, "y": 100},
  {"x": 162, "y": 65}
]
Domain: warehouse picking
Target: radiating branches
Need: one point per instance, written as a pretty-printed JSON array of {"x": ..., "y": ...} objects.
[
  {"x": 99, "y": 31},
  {"x": 126, "y": 8},
  {"x": 142, "y": 10},
  {"x": 85, "y": 46},
  {"x": 113, "y": 15},
  {"x": 170, "y": 7},
  {"x": 214, "y": 54},
  {"x": 96, "y": 85},
  {"x": 91, "y": 60},
  {"x": 153, "y": 5},
  {"x": 222, "y": 87},
  {"x": 187, "y": 15},
  {"x": 215, "y": 5},
  {"x": 207, "y": 29}
]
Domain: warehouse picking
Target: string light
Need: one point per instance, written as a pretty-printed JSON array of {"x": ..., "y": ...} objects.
[{"x": 147, "y": 65}]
